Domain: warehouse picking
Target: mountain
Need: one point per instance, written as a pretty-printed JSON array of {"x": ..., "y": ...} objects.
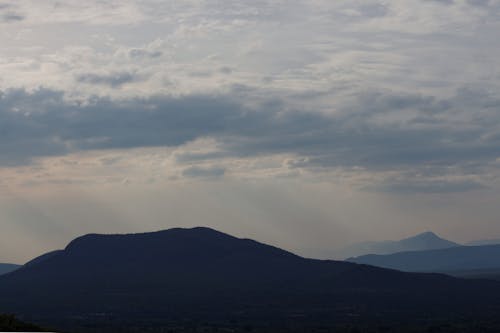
[
  {"x": 424, "y": 241},
  {"x": 455, "y": 260},
  {"x": 42, "y": 258},
  {"x": 7, "y": 268},
  {"x": 186, "y": 276}
]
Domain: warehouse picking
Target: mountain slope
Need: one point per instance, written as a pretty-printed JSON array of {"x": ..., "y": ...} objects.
[
  {"x": 7, "y": 268},
  {"x": 456, "y": 259},
  {"x": 420, "y": 242},
  {"x": 203, "y": 274}
]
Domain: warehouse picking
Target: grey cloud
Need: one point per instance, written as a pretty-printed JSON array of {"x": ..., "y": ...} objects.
[
  {"x": 43, "y": 123},
  {"x": 9, "y": 14},
  {"x": 201, "y": 74},
  {"x": 373, "y": 10},
  {"x": 116, "y": 79},
  {"x": 143, "y": 53},
  {"x": 11, "y": 17},
  {"x": 196, "y": 157},
  {"x": 205, "y": 172},
  {"x": 226, "y": 70},
  {"x": 478, "y": 2},
  {"x": 445, "y": 2}
]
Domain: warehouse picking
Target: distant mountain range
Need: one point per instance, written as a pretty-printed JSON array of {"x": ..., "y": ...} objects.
[
  {"x": 7, "y": 268},
  {"x": 202, "y": 275},
  {"x": 484, "y": 242},
  {"x": 461, "y": 260},
  {"x": 420, "y": 242}
]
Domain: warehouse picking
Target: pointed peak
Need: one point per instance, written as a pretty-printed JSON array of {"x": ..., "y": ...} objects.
[
  {"x": 428, "y": 234},
  {"x": 429, "y": 237},
  {"x": 425, "y": 235}
]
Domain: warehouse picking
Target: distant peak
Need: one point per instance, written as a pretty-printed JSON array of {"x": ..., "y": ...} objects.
[
  {"x": 429, "y": 237},
  {"x": 425, "y": 235},
  {"x": 428, "y": 234}
]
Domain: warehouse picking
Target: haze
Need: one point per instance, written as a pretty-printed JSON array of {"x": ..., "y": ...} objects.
[{"x": 305, "y": 124}]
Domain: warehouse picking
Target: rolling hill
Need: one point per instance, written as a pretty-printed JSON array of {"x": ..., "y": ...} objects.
[{"x": 202, "y": 275}]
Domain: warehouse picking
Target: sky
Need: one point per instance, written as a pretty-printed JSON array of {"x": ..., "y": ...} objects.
[{"x": 306, "y": 124}]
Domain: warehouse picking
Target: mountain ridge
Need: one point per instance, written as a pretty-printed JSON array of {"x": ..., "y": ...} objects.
[
  {"x": 427, "y": 240},
  {"x": 204, "y": 274},
  {"x": 491, "y": 241},
  {"x": 448, "y": 260}
]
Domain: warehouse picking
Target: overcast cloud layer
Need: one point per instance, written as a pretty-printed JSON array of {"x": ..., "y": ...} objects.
[{"x": 382, "y": 98}]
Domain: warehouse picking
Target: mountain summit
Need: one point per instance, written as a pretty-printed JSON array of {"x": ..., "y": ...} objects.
[
  {"x": 421, "y": 242},
  {"x": 425, "y": 241},
  {"x": 203, "y": 274}
]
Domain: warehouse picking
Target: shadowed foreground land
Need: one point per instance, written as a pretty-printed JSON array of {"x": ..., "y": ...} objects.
[
  {"x": 9, "y": 323},
  {"x": 202, "y": 280},
  {"x": 235, "y": 327}
]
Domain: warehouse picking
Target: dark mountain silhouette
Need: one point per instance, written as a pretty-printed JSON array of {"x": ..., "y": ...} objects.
[
  {"x": 456, "y": 260},
  {"x": 200, "y": 274},
  {"x": 42, "y": 257},
  {"x": 7, "y": 268},
  {"x": 484, "y": 273},
  {"x": 424, "y": 241}
]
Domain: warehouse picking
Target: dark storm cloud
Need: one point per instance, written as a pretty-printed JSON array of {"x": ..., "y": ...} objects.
[{"x": 43, "y": 123}]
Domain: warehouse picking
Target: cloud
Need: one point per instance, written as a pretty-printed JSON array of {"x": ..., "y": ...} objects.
[
  {"x": 203, "y": 172},
  {"x": 426, "y": 186},
  {"x": 376, "y": 85},
  {"x": 479, "y": 2},
  {"x": 378, "y": 131},
  {"x": 143, "y": 53},
  {"x": 445, "y": 2},
  {"x": 11, "y": 17},
  {"x": 8, "y": 14},
  {"x": 116, "y": 79}
]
